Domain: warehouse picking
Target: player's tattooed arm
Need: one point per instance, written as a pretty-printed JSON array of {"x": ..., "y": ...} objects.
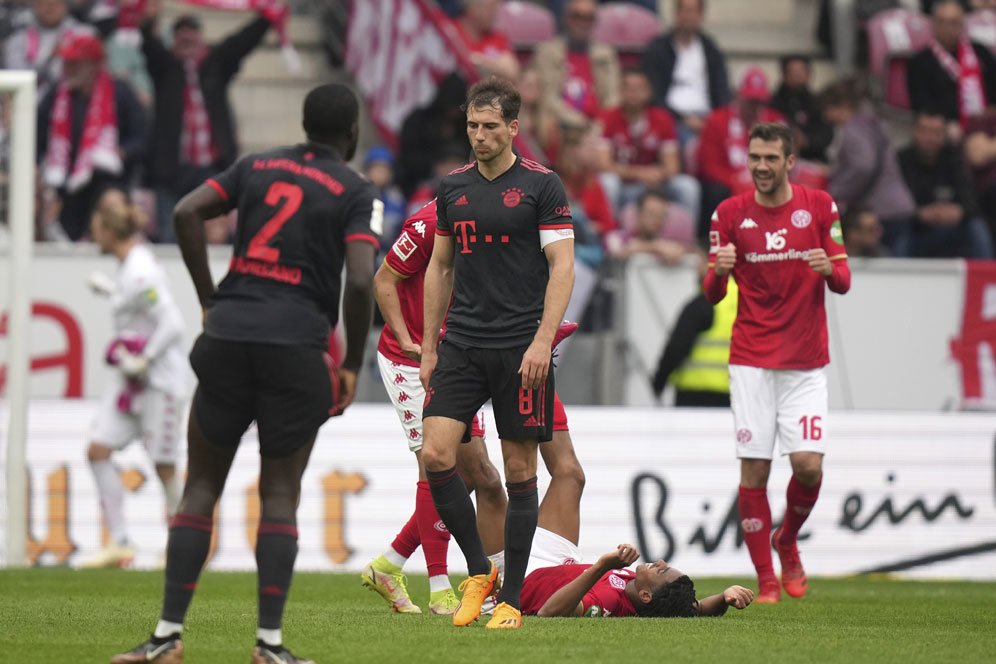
[
  {"x": 189, "y": 216},
  {"x": 567, "y": 601}
]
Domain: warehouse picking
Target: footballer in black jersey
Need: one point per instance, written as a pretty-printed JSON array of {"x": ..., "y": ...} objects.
[
  {"x": 504, "y": 249},
  {"x": 303, "y": 215}
]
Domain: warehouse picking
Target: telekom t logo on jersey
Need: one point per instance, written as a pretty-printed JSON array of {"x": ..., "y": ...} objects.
[
  {"x": 775, "y": 241},
  {"x": 466, "y": 235}
]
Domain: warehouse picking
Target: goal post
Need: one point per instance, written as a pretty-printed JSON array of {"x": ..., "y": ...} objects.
[{"x": 21, "y": 187}]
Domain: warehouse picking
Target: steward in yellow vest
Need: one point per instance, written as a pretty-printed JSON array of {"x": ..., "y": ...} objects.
[{"x": 697, "y": 355}]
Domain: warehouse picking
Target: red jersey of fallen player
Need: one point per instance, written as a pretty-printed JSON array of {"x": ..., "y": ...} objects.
[
  {"x": 781, "y": 321},
  {"x": 409, "y": 258},
  {"x": 607, "y": 598}
]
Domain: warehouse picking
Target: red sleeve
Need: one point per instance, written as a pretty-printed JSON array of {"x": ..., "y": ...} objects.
[
  {"x": 412, "y": 250},
  {"x": 714, "y": 285},
  {"x": 714, "y": 163},
  {"x": 832, "y": 241},
  {"x": 664, "y": 126},
  {"x": 839, "y": 280}
]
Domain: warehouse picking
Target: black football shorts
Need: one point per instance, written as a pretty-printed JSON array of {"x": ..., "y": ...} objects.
[
  {"x": 289, "y": 391},
  {"x": 465, "y": 378}
]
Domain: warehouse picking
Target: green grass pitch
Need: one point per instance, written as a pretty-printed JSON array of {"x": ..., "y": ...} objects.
[{"x": 61, "y": 615}]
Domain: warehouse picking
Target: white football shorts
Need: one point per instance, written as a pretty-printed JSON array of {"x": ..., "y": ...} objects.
[
  {"x": 550, "y": 549},
  {"x": 786, "y": 405},
  {"x": 408, "y": 396},
  {"x": 156, "y": 418}
]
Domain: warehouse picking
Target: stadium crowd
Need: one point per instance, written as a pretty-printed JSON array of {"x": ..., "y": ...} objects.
[{"x": 648, "y": 139}]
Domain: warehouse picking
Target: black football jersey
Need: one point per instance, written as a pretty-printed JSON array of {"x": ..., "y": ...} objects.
[
  {"x": 500, "y": 272},
  {"x": 298, "y": 206}
]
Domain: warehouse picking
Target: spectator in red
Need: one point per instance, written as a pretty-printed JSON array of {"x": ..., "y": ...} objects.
[
  {"x": 722, "y": 155},
  {"x": 642, "y": 148},
  {"x": 656, "y": 229},
  {"x": 91, "y": 132},
  {"x": 489, "y": 50},
  {"x": 195, "y": 133},
  {"x": 578, "y": 168},
  {"x": 687, "y": 70},
  {"x": 580, "y": 77},
  {"x": 952, "y": 73}
]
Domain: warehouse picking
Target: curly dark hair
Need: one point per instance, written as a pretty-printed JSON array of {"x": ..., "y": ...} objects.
[
  {"x": 672, "y": 600},
  {"x": 494, "y": 91}
]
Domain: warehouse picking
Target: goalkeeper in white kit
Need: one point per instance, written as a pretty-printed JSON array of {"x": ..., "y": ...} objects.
[{"x": 147, "y": 399}]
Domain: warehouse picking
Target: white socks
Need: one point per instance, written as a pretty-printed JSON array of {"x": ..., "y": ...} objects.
[
  {"x": 166, "y": 628},
  {"x": 394, "y": 557},
  {"x": 499, "y": 560},
  {"x": 271, "y": 637},
  {"x": 439, "y": 582},
  {"x": 111, "y": 493}
]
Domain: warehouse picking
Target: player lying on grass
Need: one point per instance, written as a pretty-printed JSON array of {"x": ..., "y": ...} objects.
[
  {"x": 610, "y": 589},
  {"x": 556, "y": 585}
]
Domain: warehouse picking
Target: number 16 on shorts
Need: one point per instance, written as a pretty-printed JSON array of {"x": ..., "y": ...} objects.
[{"x": 787, "y": 406}]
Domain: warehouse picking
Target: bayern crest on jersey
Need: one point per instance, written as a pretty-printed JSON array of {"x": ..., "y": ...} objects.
[{"x": 801, "y": 218}]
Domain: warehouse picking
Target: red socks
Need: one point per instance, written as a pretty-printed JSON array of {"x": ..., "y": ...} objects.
[
  {"x": 408, "y": 539},
  {"x": 800, "y": 500},
  {"x": 755, "y": 521},
  {"x": 432, "y": 531}
]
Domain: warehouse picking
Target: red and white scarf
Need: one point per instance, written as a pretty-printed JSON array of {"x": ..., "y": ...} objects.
[
  {"x": 197, "y": 145},
  {"x": 967, "y": 73},
  {"x": 98, "y": 147}
]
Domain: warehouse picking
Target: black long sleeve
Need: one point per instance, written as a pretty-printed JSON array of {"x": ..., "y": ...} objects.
[
  {"x": 232, "y": 50},
  {"x": 695, "y": 318},
  {"x": 132, "y": 123}
]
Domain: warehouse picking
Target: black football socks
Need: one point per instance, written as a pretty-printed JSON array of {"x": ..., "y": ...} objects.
[
  {"x": 520, "y": 526},
  {"x": 455, "y": 508}
]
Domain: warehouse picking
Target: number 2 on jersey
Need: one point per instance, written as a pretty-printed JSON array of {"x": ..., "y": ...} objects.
[{"x": 287, "y": 199}]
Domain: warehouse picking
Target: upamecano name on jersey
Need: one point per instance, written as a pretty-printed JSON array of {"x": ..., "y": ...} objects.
[{"x": 790, "y": 255}]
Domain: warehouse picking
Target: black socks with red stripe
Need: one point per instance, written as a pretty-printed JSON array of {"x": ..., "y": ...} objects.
[
  {"x": 455, "y": 508},
  {"x": 186, "y": 552},
  {"x": 520, "y": 526},
  {"x": 276, "y": 550}
]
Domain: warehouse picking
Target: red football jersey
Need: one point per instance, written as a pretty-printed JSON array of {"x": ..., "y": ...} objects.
[
  {"x": 781, "y": 321},
  {"x": 639, "y": 143},
  {"x": 607, "y": 598},
  {"x": 409, "y": 258}
]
